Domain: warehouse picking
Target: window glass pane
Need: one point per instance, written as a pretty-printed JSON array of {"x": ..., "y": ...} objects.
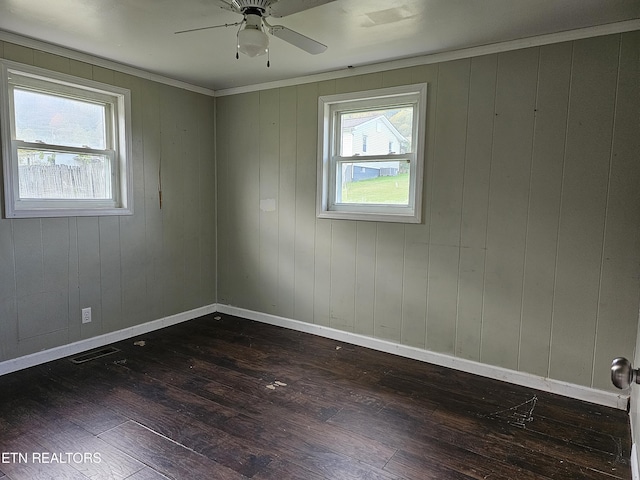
[
  {"x": 57, "y": 120},
  {"x": 381, "y": 183},
  {"x": 376, "y": 132},
  {"x": 45, "y": 174}
]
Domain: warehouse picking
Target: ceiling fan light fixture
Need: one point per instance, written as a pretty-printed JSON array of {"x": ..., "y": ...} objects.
[{"x": 252, "y": 41}]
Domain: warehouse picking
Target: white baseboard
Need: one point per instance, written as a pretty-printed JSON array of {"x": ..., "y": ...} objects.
[
  {"x": 579, "y": 392},
  {"x": 56, "y": 353}
]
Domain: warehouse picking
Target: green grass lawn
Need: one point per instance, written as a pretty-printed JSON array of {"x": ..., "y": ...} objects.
[{"x": 378, "y": 190}]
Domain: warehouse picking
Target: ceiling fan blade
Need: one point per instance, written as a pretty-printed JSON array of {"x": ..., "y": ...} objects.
[
  {"x": 208, "y": 28},
  {"x": 282, "y": 8},
  {"x": 227, "y": 6},
  {"x": 297, "y": 39}
]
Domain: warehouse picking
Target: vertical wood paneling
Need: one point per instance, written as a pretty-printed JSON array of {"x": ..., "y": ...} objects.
[
  {"x": 304, "y": 248},
  {"x": 189, "y": 241},
  {"x": 494, "y": 177},
  {"x": 9, "y": 325},
  {"x": 30, "y": 301},
  {"x": 75, "y": 322},
  {"x": 192, "y": 206},
  {"x": 55, "y": 262},
  {"x": 583, "y": 208},
  {"x": 322, "y": 304},
  {"x": 129, "y": 269},
  {"x": 151, "y": 134},
  {"x": 287, "y": 200},
  {"x": 41, "y": 314},
  {"x": 619, "y": 282},
  {"x": 442, "y": 297},
  {"x": 389, "y": 273},
  {"x": 18, "y": 53},
  {"x": 485, "y": 253},
  {"x": 452, "y": 103},
  {"x": 343, "y": 274},
  {"x": 415, "y": 248},
  {"x": 43, "y": 342},
  {"x": 89, "y": 273},
  {"x": 322, "y": 272},
  {"x": 27, "y": 235},
  {"x": 80, "y": 69},
  {"x": 429, "y": 74},
  {"x": 41, "y": 303},
  {"x": 110, "y": 274},
  {"x": 207, "y": 184},
  {"x": 269, "y": 201},
  {"x": 359, "y": 83},
  {"x": 132, "y": 227},
  {"x": 232, "y": 236},
  {"x": 234, "y": 188},
  {"x": 223, "y": 125},
  {"x": 52, "y": 62},
  {"x": 336, "y": 241},
  {"x": 105, "y": 75},
  {"x": 475, "y": 199},
  {"x": 400, "y": 76},
  {"x": 544, "y": 207},
  {"x": 247, "y": 182},
  {"x": 173, "y": 255},
  {"x": 243, "y": 200},
  {"x": 508, "y": 200},
  {"x": 8, "y": 313},
  {"x": 414, "y": 293},
  {"x": 446, "y": 204},
  {"x": 366, "y": 234}
]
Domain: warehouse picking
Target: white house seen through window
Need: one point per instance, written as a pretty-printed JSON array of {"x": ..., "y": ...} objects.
[{"x": 370, "y": 157}]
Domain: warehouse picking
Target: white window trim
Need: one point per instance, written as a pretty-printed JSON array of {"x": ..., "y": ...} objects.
[
  {"x": 122, "y": 168},
  {"x": 328, "y": 107}
]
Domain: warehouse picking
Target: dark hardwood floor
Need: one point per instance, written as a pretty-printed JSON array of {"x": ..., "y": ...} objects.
[{"x": 230, "y": 398}]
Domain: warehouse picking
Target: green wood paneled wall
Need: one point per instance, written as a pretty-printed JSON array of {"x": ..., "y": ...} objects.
[
  {"x": 130, "y": 269},
  {"x": 528, "y": 257},
  {"x": 529, "y": 254}
]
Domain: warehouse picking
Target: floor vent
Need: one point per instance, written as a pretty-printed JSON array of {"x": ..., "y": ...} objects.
[{"x": 92, "y": 355}]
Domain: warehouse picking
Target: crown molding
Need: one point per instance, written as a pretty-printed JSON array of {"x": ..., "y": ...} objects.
[
  {"x": 537, "y": 41},
  {"x": 29, "y": 42},
  {"x": 493, "y": 48}
]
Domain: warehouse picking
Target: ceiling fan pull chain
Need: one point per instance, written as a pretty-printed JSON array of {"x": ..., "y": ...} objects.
[
  {"x": 238, "y": 41},
  {"x": 268, "y": 58}
]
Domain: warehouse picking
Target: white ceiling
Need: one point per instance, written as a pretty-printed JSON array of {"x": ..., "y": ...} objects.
[{"x": 140, "y": 33}]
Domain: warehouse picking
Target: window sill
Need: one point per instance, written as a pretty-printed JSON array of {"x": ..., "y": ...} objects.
[
  {"x": 67, "y": 212},
  {"x": 370, "y": 217}
]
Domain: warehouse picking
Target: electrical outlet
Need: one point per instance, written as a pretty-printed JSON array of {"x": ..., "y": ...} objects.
[{"x": 86, "y": 315}]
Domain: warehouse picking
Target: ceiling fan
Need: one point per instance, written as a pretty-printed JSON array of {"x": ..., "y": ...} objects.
[{"x": 252, "y": 34}]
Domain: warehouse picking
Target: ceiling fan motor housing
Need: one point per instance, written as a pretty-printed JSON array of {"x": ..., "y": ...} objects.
[{"x": 244, "y": 5}]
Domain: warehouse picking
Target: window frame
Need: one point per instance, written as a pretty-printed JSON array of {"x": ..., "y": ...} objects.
[
  {"x": 117, "y": 103},
  {"x": 330, "y": 107}
]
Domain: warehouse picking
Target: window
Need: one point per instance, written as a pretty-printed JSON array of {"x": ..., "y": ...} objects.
[
  {"x": 382, "y": 180},
  {"x": 66, "y": 144}
]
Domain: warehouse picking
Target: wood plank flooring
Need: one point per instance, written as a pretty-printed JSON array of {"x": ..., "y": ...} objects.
[{"x": 229, "y": 398}]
